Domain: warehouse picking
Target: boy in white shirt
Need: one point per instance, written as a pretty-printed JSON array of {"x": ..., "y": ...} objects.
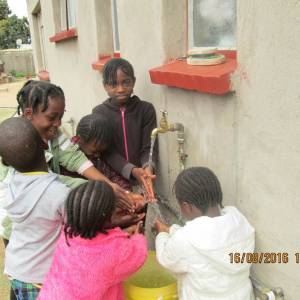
[{"x": 198, "y": 254}]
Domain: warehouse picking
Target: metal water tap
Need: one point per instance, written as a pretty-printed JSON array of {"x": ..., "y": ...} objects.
[{"x": 164, "y": 127}]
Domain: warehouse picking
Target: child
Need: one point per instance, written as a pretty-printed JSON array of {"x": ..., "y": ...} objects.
[
  {"x": 94, "y": 136},
  {"x": 34, "y": 202},
  {"x": 133, "y": 121},
  {"x": 90, "y": 262},
  {"x": 43, "y": 104},
  {"x": 198, "y": 253}
]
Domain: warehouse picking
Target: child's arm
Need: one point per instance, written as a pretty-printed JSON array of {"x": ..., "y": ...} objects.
[
  {"x": 171, "y": 248},
  {"x": 71, "y": 182},
  {"x": 125, "y": 168},
  {"x": 132, "y": 255},
  {"x": 68, "y": 154},
  {"x": 119, "y": 164},
  {"x": 122, "y": 219},
  {"x": 74, "y": 160}
]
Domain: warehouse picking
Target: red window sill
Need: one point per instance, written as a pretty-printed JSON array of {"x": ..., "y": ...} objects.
[
  {"x": 64, "y": 35},
  {"x": 44, "y": 75},
  {"x": 205, "y": 79},
  {"x": 103, "y": 59}
]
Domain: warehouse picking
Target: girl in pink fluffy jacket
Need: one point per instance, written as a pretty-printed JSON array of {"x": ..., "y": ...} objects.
[{"x": 90, "y": 262}]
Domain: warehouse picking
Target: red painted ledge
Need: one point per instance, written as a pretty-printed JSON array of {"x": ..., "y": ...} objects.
[
  {"x": 103, "y": 59},
  {"x": 64, "y": 35},
  {"x": 44, "y": 75},
  {"x": 205, "y": 79}
]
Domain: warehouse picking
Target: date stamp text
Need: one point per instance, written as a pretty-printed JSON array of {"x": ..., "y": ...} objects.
[{"x": 263, "y": 258}]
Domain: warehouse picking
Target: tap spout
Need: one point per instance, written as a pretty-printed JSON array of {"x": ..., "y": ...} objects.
[
  {"x": 164, "y": 126},
  {"x": 156, "y": 131}
]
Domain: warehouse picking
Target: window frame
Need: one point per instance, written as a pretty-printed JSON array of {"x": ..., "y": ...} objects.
[
  {"x": 115, "y": 26},
  {"x": 190, "y": 31},
  {"x": 67, "y": 13},
  {"x": 60, "y": 8}
]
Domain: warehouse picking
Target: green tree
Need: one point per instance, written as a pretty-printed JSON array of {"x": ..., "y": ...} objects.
[
  {"x": 11, "y": 29},
  {"x": 4, "y": 10}
]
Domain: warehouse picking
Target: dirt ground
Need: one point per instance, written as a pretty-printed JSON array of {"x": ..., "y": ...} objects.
[
  {"x": 8, "y": 93},
  {"x": 8, "y": 104}
]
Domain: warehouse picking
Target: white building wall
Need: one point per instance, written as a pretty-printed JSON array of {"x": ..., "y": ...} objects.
[{"x": 268, "y": 144}]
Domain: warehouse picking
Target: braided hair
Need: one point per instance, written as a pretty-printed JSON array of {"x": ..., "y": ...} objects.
[
  {"x": 87, "y": 208},
  {"x": 200, "y": 187},
  {"x": 95, "y": 128},
  {"x": 35, "y": 93},
  {"x": 112, "y": 66}
]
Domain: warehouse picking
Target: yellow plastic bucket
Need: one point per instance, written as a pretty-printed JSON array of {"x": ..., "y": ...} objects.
[{"x": 151, "y": 282}]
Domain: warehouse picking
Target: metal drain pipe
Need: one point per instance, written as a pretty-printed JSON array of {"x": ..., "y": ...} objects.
[{"x": 265, "y": 293}]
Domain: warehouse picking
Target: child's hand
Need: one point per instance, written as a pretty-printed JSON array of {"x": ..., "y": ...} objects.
[
  {"x": 161, "y": 227},
  {"x": 145, "y": 178},
  {"x": 137, "y": 200},
  {"x": 138, "y": 174},
  {"x": 148, "y": 170},
  {"x": 135, "y": 229},
  {"x": 148, "y": 186},
  {"x": 121, "y": 219},
  {"x": 122, "y": 198}
]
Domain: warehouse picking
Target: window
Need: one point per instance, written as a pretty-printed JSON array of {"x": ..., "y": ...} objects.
[
  {"x": 212, "y": 23},
  {"x": 64, "y": 12},
  {"x": 114, "y": 14},
  {"x": 107, "y": 33},
  {"x": 42, "y": 41},
  {"x": 67, "y": 14},
  {"x": 39, "y": 37}
]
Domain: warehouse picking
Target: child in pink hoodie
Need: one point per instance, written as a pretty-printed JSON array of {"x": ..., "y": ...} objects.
[{"x": 90, "y": 262}]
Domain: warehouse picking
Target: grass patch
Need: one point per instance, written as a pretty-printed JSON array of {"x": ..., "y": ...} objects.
[{"x": 6, "y": 113}]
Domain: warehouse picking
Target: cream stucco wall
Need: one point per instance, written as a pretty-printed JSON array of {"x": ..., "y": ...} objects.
[
  {"x": 148, "y": 40},
  {"x": 249, "y": 138},
  {"x": 268, "y": 144}
]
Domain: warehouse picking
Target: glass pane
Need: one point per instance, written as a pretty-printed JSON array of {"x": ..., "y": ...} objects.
[
  {"x": 63, "y": 13},
  {"x": 115, "y": 25},
  {"x": 71, "y": 13},
  {"x": 214, "y": 23}
]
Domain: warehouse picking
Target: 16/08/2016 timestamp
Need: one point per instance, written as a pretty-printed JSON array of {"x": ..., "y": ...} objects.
[{"x": 263, "y": 257}]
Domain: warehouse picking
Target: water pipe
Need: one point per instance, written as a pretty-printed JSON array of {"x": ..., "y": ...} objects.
[
  {"x": 267, "y": 293},
  {"x": 164, "y": 127}
]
